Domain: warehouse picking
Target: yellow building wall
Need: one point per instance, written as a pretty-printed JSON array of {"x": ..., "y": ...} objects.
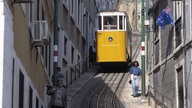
[{"x": 28, "y": 55}]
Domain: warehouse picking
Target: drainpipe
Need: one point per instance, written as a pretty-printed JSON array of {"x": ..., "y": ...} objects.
[{"x": 55, "y": 41}]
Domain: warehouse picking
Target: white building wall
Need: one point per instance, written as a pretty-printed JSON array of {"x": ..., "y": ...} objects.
[
  {"x": 1, "y": 48},
  {"x": 6, "y": 35},
  {"x": 27, "y": 83},
  {"x": 7, "y": 72},
  {"x": 188, "y": 56}
]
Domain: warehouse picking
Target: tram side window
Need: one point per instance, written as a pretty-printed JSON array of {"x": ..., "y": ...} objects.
[
  {"x": 99, "y": 23},
  {"x": 110, "y": 22},
  {"x": 120, "y": 22}
]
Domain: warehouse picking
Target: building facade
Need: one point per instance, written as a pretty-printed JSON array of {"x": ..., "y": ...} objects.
[
  {"x": 168, "y": 56},
  {"x": 107, "y": 5},
  {"x": 133, "y": 10},
  {"x": 76, "y": 20},
  {"x": 188, "y": 51},
  {"x": 25, "y": 60},
  {"x": 27, "y": 47}
]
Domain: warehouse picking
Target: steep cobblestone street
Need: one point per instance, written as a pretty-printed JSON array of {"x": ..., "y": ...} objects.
[{"x": 75, "y": 90}]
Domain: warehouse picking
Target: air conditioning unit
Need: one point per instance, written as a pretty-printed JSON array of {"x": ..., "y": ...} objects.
[{"x": 40, "y": 33}]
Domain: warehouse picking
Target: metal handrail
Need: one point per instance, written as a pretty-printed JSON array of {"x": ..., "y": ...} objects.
[{"x": 157, "y": 100}]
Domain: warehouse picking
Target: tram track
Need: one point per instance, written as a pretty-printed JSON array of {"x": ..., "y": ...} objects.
[
  {"x": 116, "y": 100},
  {"x": 115, "y": 93},
  {"x": 106, "y": 96},
  {"x": 100, "y": 99},
  {"x": 86, "y": 102},
  {"x": 95, "y": 94},
  {"x": 105, "y": 91}
]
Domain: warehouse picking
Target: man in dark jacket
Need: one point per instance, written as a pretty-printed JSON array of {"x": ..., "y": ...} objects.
[{"x": 58, "y": 95}]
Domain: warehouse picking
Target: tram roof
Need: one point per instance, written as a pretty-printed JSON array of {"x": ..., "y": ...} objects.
[{"x": 111, "y": 13}]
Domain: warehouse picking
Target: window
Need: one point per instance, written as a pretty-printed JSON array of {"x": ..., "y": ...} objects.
[
  {"x": 64, "y": 62},
  {"x": 85, "y": 22},
  {"x": 37, "y": 102},
  {"x": 72, "y": 72},
  {"x": 12, "y": 97},
  {"x": 30, "y": 97},
  {"x": 156, "y": 34},
  {"x": 177, "y": 5},
  {"x": 78, "y": 61},
  {"x": 42, "y": 52},
  {"x": 72, "y": 7},
  {"x": 156, "y": 52},
  {"x": 49, "y": 58},
  {"x": 180, "y": 87},
  {"x": 37, "y": 11},
  {"x": 42, "y": 14},
  {"x": 78, "y": 10},
  {"x": 156, "y": 26},
  {"x": 31, "y": 12},
  {"x": 121, "y": 22},
  {"x": 178, "y": 32},
  {"x": 72, "y": 10},
  {"x": 72, "y": 55},
  {"x": 65, "y": 46},
  {"x": 170, "y": 42},
  {"x": 99, "y": 23},
  {"x": 46, "y": 56},
  {"x": 21, "y": 89},
  {"x": 110, "y": 22}
]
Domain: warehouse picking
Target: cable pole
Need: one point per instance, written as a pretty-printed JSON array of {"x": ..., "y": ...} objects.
[
  {"x": 55, "y": 41},
  {"x": 147, "y": 32},
  {"x": 136, "y": 15},
  {"x": 143, "y": 47}
]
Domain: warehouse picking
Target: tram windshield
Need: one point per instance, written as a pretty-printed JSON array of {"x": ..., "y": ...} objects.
[
  {"x": 110, "y": 22},
  {"x": 113, "y": 22}
]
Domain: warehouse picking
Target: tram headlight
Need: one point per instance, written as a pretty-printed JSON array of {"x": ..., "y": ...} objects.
[{"x": 110, "y": 38}]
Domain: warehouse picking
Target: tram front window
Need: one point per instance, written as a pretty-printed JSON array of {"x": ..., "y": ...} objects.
[{"x": 110, "y": 22}]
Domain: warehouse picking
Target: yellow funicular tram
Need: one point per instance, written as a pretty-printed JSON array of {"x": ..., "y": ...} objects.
[{"x": 113, "y": 38}]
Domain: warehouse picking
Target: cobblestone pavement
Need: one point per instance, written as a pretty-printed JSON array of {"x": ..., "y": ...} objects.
[{"x": 127, "y": 100}]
